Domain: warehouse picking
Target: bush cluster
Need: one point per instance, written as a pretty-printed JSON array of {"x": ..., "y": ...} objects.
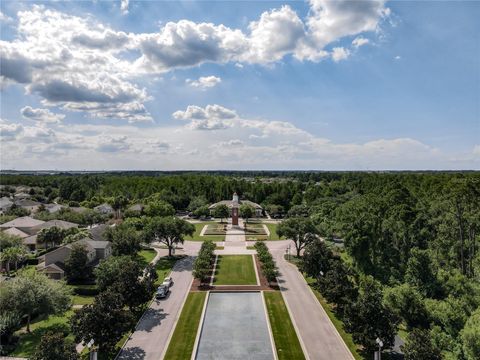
[
  {"x": 269, "y": 268},
  {"x": 204, "y": 261}
]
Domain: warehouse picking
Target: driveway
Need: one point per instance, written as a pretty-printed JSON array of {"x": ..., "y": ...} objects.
[
  {"x": 320, "y": 339},
  {"x": 153, "y": 330}
]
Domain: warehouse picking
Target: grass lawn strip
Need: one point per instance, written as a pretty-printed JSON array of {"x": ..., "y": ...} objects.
[
  {"x": 28, "y": 342},
  {"x": 183, "y": 339},
  {"x": 286, "y": 340},
  {"x": 147, "y": 254},
  {"x": 235, "y": 270},
  {"x": 198, "y": 229}
]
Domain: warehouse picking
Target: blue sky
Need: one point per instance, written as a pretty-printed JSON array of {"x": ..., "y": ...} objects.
[{"x": 327, "y": 85}]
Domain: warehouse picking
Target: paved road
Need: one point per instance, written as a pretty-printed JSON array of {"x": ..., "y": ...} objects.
[
  {"x": 320, "y": 338},
  {"x": 152, "y": 332}
]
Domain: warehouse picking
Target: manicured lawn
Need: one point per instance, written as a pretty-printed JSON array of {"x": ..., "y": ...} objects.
[
  {"x": 183, "y": 338},
  {"x": 29, "y": 341},
  {"x": 273, "y": 231},
  {"x": 198, "y": 229},
  {"x": 286, "y": 340},
  {"x": 261, "y": 235},
  {"x": 235, "y": 270},
  {"x": 164, "y": 267},
  {"x": 82, "y": 300},
  {"x": 147, "y": 255},
  {"x": 215, "y": 229}
]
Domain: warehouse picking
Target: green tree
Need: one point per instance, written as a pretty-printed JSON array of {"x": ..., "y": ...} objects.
[
  {"x": 301, "y": 230},
  {"x": 13, "y": 255},
  {"x": 470, "y": 336},
  {"x": 246, "y": 211},
  {"x": 420, "y": 272},
  {"x": 407, "y": 303},
  {"x": 32, "y": 293},
  {"x": 197, "y": 202},
  {"x": 53, "y": 346},
  {"x": 299, "y": 211},
  {"x": 52, "y": 236},
  {"x": 222, "y": 212},
  {"x": 124, "y": 238},
  {"x": 124, "y": 275},
  {"x": 368, "y": 319},
  {"x": 76, "y": 264},
  {"x": 202, "y": 211},
  {"x": 118, "y": 203},
  {"x": 419, "y": 346},
  {"x": 167, "y": 230},
  {"x": 9, "y": 322},
  {"x": 105, "y": 321},
  {"x": 159, "y": 208}
]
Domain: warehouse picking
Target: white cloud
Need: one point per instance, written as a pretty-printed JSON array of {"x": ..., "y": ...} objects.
[
  {"x": 359, "y": 41},
  {"x": 204, "y": 82},
  {"x": 476, "y": 150},
  {"x": 124, "y": 6},
  {"x": 212, "y": 117},
  {"x": 42, "y": 115},
  {"x": 340, "y": 53},
  {"x": 5, "y": 18},
  {"x": 115, "y": 144},
  {"x": 10, "y": 131},
  {"x": 80, "y": 64},
  {"x": 398, "y": 57}
]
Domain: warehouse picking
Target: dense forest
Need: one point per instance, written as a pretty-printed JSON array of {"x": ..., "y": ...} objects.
[{"x": 412, "y": 237}]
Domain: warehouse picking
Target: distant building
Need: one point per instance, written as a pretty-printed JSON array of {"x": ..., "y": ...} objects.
[
  {"x": 53, "y": 208},
  {"x": 5, "y": 204},
  {"x": 235, "y": 203},
  {"x": 28, "y": 204}
]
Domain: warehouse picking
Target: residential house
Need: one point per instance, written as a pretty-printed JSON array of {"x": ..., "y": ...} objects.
[
  {"x": 105, "y": 209},
  {"x": 5, "y": 204},
  {"x": 53, "y": 208},
  {"x": 52, "y": 263},
  {"x": 28, "y": 204}
]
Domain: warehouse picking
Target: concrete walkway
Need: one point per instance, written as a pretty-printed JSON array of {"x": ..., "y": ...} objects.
[
  {"x": 152, "y": 332},
  {"x": 319, "y": 336}
]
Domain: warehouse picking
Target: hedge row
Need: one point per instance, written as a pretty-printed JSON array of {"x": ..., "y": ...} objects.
[
  {"x": 269, "y": 268},
  {"x": 204, "y": 261}
]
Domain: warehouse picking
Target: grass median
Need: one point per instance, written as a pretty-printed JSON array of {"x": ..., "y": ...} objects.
[
  {"x": 235, "y": 270},
  {"x": 286, "y": 340},
  {"x": 183, "y": 338}
]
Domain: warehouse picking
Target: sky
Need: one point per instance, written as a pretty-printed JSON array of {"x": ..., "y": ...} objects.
[{"x": 240, "y": 85}]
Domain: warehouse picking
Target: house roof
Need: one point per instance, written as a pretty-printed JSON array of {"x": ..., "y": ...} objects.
[
  {"x": 26, "y": 202},
  {"x": 5, "y": 202},
  {"x": 51, "y": 208},
  {"x": 16, "y": 232},
  {"x": 52, "y": 268},
  {"x": 78, "y": 209},
  {"x": 99, "y": 244},
  {"x": 57, "y": 223},
  {"x": 98, "y": 231},
  {"x": 22, "y": 222},
  {"x": 104, "y": 207},
  {"x": 30, "y": 240}
]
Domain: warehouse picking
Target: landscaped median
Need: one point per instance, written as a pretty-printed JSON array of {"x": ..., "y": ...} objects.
[
  {"x": 183, "y": 338},
  {"x": 198, "y": 229},
  {"x": 286, "y": 340},
  {"x": 235, "y": 270}
]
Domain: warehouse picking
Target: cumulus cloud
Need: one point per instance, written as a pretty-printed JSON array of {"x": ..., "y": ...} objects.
[
  {"x": 340, "y": 53},
  {"x": 10, "y": 131},
  {"x": 124, "y": 6},
  {"x": 211, "y": 117},
  {"x": 82, "y": 65},
  {"x": 204, "y": 82},
  {"x": 476, "y": 150},
  {"x": 112, "y": 144},
  {"x": 359, "y": 41},
  {"x": 42, "y": 115}
]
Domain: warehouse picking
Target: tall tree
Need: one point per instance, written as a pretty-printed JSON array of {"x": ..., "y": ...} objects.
[
  {"x": 159, "y": 208},
  {"x": 76, "y": 264},
  {"x": 222, "y": 212},
  {"x": 420, "y": 346},
  {"x": 471, "y": 337},
  {"x": 52, "y": 236},
  {"x": 105, "y": 321},
  {"x": 32, "y": 293},
  {"x": 54, "y": 346},
  {"x": 420, "y": 272},
  {"x": 124, "y": 238},
  {"x": 301, "y": 230},
  {"x": 368, "y": 319},
  {"x": 167, "y": 230},
  {"x": 246, "y": 211}
]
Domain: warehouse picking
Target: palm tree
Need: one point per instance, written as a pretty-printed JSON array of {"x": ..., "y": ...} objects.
[{"x": 14, "y": 255}]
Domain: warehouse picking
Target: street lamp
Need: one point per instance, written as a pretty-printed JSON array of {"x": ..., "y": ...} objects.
[{"x": 380, "y": 345}]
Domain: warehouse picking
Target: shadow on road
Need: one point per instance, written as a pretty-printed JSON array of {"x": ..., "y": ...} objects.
[
  {"x": 134, "y": 353},
  {"x": 151, "y": 318}
]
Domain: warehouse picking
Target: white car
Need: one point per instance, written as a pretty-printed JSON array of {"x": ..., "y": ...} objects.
[{"x": 168, "y": 282}]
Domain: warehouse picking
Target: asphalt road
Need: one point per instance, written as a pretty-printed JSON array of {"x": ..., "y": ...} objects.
[
  {"x": 152, "y": 332},
  {"x": 321, "y": 340}
]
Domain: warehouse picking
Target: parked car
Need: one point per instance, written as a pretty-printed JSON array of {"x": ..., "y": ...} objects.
[
  {"x": 162, "y": 292},
  {"x": 168, "y": 282}
]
